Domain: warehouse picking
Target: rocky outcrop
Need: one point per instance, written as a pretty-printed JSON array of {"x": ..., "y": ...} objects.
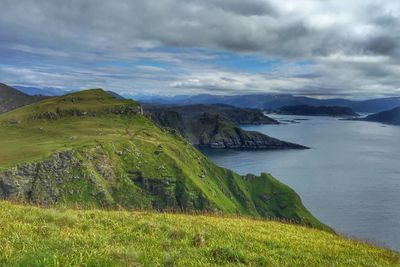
[
  {"x": 40, "y": 182},
  {"x": 215, "y": 131},
  {"x": 91, "y": 176}
]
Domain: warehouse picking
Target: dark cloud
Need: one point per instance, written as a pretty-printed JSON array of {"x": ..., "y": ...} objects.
[
  {"x": 245, "y": 8},
  {"x": 382, "y": 45}
]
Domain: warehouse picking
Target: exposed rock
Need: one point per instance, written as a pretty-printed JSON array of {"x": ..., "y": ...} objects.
[{"x": 215, "y": 131}]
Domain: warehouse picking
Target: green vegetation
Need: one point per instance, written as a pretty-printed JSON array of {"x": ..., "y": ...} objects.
[
  {"x": 89, "y": 149},
  {"x": 31, "y": 236}
]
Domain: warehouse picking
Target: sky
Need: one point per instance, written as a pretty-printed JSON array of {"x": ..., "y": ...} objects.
[{"x": 324, "y": 48}]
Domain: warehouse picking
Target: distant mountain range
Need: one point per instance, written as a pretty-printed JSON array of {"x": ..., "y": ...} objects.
[
  {"x": 45, "y": 91},
  {"x": 305, "y": 110},
  {"x": 259, "y": 101},
  {"x": 268, "y": 101}
]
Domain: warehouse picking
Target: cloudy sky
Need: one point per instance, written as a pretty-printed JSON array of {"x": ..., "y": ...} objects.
[{"x": 320, "y": 48}]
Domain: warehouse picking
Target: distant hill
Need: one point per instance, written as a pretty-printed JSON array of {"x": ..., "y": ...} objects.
[
  {"x": 274, "y": 101},
  {"x": 11, "y": 98},
  {"x": 389, "y": 117},
  {"x": 305, "y": 110},
  {"x": 217, "y": 126}
]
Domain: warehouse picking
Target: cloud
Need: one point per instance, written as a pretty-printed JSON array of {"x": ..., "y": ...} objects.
[{"x": 166, "y": 45}]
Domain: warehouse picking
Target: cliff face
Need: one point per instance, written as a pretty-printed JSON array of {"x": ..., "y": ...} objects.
[
  {"x": 215, "y": 131},
  {"x": 114, "y": 175},
  {"x": 97, "y": 157}
]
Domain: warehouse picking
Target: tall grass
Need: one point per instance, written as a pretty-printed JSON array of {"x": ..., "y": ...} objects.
[{"x": 33, "y": 236}]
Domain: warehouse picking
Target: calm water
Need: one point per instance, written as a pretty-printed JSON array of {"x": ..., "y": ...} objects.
[{"x": 350, "y": 179}]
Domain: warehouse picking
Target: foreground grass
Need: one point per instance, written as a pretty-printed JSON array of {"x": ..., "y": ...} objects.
[{"x": 32, "y": 236}]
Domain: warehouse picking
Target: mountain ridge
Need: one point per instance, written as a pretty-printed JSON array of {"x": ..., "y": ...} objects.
[{"x": 274, "y": 101}]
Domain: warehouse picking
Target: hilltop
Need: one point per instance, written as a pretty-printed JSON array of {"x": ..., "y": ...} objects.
[
  {"x": 62, "y": 237},
  {"x": 11, "y": 98},
  {"x": 91, "y": 149}
]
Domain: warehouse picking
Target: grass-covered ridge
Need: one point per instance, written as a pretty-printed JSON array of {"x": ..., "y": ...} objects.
[
  {"x": 90, "y": 149},
  {"x": 31, "y": 236}
]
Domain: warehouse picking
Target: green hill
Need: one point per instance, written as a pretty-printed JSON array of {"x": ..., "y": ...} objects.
[
  {"x": 32, "y": 236},
  {"x": 92, "y": 150}
]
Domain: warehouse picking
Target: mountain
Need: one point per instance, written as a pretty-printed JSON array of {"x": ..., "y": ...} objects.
[
  {"x": 274, "y": 101},
  {"x": 388, "y": 117},
  {"x": 43, "y": 91},
  {"x": 11, "y": 98},
  {"x": 93, "y": 150},
  {"x": 333, "y": 111},
  {"x": 216, "y": 126},
  {"x": 33, "y": 236},
  {"x": 376, "y": 105}
]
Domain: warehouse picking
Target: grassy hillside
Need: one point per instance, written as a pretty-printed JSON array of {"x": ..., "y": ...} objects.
[
  {"x": 90, "y": 149},
  {"x": 32, "y": 236}
]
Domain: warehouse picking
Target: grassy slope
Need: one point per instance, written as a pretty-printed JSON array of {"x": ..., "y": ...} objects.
[
  {"x": 32, "y": 236},
  {"x": 131, "y": 144}
]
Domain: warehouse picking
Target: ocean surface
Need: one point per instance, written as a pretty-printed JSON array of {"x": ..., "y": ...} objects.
[{"x": 349, "y": 179}]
